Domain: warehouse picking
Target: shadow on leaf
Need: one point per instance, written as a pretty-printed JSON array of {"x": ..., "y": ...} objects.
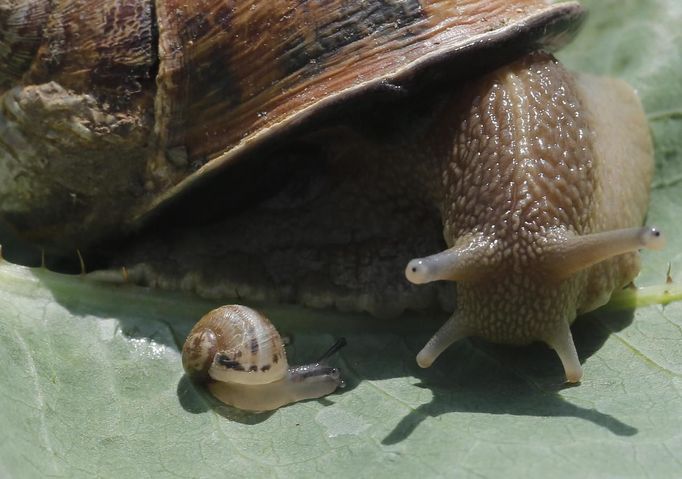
[
  {"x": 520, "y": 403},
  {"x": 472, "y": 376},
  {"x": 197, "y": 400},
  {"x": 479, "y": 377}
]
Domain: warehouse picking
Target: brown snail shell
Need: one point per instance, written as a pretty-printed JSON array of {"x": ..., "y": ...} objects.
[
  {"x": 239, "y": 354},
  {"x": 129, "y": 123},
  {"x": 242, "y": 336}
]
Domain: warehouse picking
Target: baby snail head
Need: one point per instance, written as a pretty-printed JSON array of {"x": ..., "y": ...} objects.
[{"x": 240, "y": 355}]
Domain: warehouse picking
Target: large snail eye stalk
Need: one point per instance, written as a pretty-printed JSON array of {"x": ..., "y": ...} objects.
[
  {"x": 580, "y": 252},
  {"x": 466, "y": 261}
]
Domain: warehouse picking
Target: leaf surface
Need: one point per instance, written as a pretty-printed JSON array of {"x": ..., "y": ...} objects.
[{"x": 91, "y": 383}]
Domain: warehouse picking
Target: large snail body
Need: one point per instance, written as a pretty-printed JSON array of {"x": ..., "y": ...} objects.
[
  {"x": 542, "y": 198},
  {"x": 469, "y": 136},
  {"x": 239, "y": 354}
]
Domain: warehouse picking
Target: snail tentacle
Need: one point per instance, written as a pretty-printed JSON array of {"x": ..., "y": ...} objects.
[
  {"x": 467, "y": 260},
  {"x": 562, "y": 343},
  {"x": 580, "y": 252},
  {"x": 340, "y": 343},
  {"x": 452, "y": 331}
]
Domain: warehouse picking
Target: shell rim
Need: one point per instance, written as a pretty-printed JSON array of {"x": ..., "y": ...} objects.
[{"x": 537, "y": 27}]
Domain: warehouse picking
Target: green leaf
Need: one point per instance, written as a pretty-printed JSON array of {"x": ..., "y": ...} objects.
[{"x": 91, "y": 383}]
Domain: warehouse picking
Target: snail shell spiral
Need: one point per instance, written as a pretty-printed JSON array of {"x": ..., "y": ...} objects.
[{"x": 251, "y": 350}]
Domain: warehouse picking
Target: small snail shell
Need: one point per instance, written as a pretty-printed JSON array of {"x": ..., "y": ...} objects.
[{"x": 240, "y": 355}]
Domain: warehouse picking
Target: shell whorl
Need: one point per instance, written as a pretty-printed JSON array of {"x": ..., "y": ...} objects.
[
  {"x": 235, "y": 344},
  {"x": 21, "y": 31}
]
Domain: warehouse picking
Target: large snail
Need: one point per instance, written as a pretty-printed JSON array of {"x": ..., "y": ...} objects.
[
  {"x": 307, "y": 151},
  {"x": 240, "y": 355}
]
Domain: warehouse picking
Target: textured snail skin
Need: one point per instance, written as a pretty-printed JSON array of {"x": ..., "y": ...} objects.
[
  {"x": 238, "y": 353},
  {"x": 541, "y": 201}
]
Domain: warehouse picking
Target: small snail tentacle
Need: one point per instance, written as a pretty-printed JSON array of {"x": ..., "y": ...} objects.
[
  {"x": 338, "y": 345},
  {"x": 319, "y": 368},
  {"x": 239, "y": 354}
]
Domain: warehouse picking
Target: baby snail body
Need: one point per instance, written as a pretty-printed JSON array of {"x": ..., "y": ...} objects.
[{"x": 240, "y": 355}]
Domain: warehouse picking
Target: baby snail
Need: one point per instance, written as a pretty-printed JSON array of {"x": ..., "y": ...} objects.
[{"x": 240, "y": 355}]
